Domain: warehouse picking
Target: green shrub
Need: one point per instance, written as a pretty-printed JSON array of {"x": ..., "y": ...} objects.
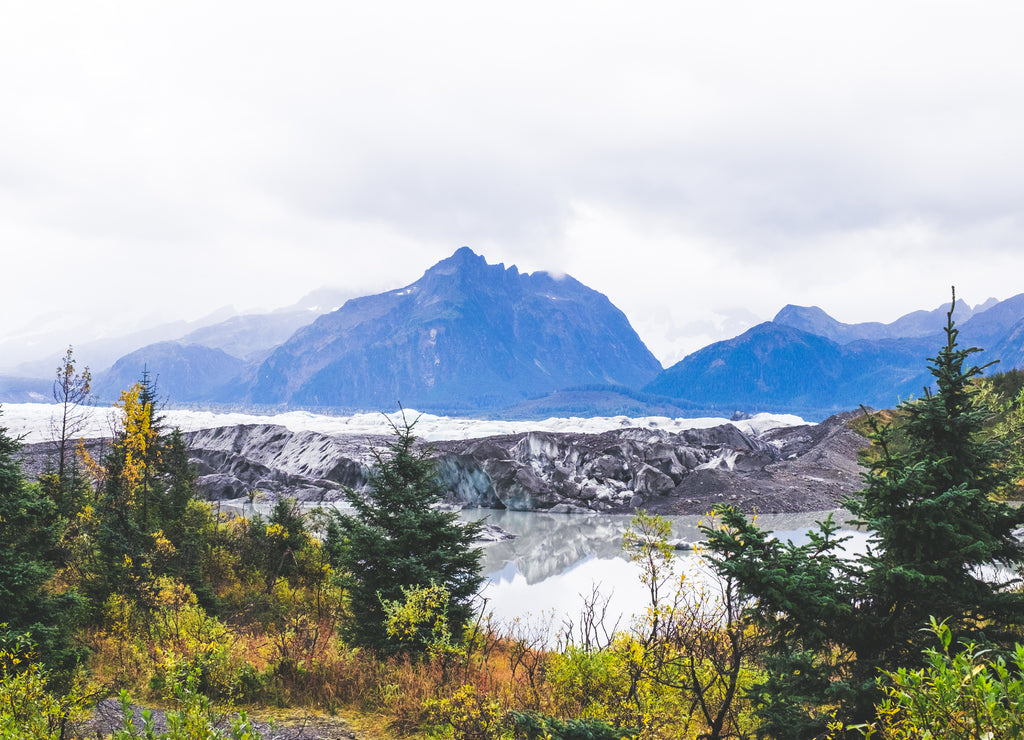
[
  {"x": 195, "y": 717},
  {"x": 534, "y": 726},
  {"x": 591, "y": 684},
  {"x": 29, "y": 710},
  {"x": 467, "y": 714},
  {"x": 419, "y": 621},
  {"x": 972, "y": 693}
]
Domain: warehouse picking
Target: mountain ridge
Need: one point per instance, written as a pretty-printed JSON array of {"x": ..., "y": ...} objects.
[
  {"x": 466, "y": 334},
  {"x": 779, "y": 366},
  {"x": 469, "y": 338},
  {"x": 919, "y": 323}
]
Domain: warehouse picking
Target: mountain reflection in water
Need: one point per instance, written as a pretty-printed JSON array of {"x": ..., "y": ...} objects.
[{"x": 556, "y": 560}]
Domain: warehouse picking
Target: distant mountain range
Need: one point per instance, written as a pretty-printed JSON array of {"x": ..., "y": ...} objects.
[
  {"x": 805, "y": 362},
  {"x": 117, "y": 360},
  {"x": 470, "y": 338}
]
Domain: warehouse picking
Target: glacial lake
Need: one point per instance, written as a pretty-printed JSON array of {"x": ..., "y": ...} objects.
[{"x": 542, "y": 577}]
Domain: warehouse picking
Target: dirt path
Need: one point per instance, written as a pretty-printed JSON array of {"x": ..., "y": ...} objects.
[{"x": 276, "y": 725}]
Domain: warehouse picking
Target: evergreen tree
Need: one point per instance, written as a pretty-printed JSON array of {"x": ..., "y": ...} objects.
[
  {"x": 179, "y": 484},
  {"x": 185, "y": 522},
  {"x": 29, "y": 534},
  {"x": 397, "y": 538},
  {"x": 801, "y": 598},
  {"x": 938, "y": 538},
  {"x": 939, "y": 530},
  {"x": 271, "y": 544}
]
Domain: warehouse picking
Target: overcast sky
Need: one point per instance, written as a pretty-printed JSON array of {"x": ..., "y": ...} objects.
[{"x": 702, "y": 164}]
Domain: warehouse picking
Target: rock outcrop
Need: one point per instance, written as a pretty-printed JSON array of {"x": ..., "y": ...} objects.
[
  {"x": 791, "y": 469},
  {"x": 233, "y": 462}
]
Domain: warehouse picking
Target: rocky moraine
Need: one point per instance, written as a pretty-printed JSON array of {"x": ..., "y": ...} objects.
[{"x": 788, "y": 469}]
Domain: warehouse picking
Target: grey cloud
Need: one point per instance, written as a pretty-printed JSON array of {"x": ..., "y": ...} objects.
[
  {"x": 457, "y": 200},
  {"x": 765, "y": 137}
]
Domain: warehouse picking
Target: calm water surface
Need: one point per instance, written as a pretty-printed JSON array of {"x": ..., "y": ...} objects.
[{"x": 543, "y": 575}]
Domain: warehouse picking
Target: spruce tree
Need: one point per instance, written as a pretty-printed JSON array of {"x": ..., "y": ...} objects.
[
  {"x": 939, "y": 538},
  {"x": 29, "y": 532},
  {"x": 398, "y": 538},
  {"x": 939, "y": 529}
]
